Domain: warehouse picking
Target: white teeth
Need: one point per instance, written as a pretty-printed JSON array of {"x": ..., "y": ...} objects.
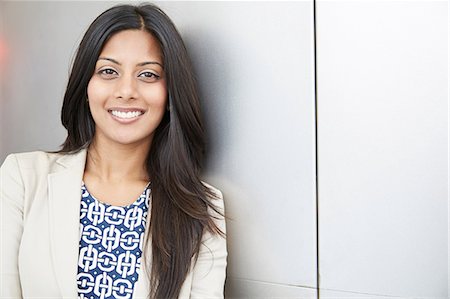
[{"x": 130, "y": 114}]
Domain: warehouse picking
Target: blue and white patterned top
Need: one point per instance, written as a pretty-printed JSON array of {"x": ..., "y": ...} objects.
[{"x": 111, "y": 239}]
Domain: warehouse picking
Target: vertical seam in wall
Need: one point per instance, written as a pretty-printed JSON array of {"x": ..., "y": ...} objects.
[
  {"x": 448, "y": 155},
  {"x": 316, "y": 149}
]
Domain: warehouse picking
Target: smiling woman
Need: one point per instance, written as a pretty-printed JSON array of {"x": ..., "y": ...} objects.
[{"x": 119, "y": 210}]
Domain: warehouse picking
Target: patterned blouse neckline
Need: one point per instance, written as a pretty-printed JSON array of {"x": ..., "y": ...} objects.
[{"x": 111, "y": 205}]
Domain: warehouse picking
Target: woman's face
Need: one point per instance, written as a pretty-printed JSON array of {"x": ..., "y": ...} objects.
[{"x": 127, "y": 93}]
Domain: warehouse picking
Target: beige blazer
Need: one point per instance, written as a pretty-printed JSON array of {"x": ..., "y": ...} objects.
[{"x": 40, "y": 197}]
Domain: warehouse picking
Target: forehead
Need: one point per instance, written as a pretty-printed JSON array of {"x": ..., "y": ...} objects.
[{"x": 132, "y": 45}]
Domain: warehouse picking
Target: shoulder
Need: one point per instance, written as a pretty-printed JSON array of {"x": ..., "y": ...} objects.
[
  {"x": 22, "y": 169},
  {"x": 219, "y": 206},
  {"x": 37, "y": 156},
  {"x": 217, "y": 196},
  {"x": 213, "y": 190},
  {"x": 32, "y": 160}
]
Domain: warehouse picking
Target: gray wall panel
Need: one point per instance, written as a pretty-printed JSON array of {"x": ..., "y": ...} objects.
[
  {"x": 243, "y": 288},
  {"x": 383, "y": 147}
]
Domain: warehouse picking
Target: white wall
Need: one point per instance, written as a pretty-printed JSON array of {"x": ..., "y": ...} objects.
[{"x": 383, "y": 148}]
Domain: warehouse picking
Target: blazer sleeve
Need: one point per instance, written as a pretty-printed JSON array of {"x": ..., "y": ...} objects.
[
  {"x": 11, "y": 226},
  {"x": 209, "y": 271}
]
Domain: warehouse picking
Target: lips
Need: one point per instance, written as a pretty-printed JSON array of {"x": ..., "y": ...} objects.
[
  {"x": 129, "y": 114},
  {"x": 126, "y": 114}
]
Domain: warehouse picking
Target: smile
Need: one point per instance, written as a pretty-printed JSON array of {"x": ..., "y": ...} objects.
[{"x": 126, "y": 115}]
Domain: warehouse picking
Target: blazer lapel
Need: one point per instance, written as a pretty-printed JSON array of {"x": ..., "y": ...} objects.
[
  {"x": 64, "y": 193},
  {"x": 142, "y": 286}
]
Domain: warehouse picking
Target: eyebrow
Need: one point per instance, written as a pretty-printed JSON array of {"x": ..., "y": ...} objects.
[{"x": 139, "y": 64}]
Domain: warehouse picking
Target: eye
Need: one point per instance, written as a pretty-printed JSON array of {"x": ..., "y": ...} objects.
[
  {"x": 149, "y": 76},
  {"x": 108, "y": 73}
]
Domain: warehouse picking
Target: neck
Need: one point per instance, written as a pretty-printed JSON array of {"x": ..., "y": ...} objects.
[{"x": 114, "y": 163}]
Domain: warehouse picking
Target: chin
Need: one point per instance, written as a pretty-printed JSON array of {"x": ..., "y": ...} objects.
[
  {"x": 124, "y": 137},
  {"x": 130, "y": 141}
]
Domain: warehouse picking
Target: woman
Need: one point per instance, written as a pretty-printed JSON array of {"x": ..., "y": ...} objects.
[{"x": 125, "y": 184}]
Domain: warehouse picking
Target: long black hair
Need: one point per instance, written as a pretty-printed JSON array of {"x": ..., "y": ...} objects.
[{"x": 180, "y": 201}]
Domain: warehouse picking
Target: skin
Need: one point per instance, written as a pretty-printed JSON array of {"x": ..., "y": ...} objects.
[{"x": 128, "y": 73}]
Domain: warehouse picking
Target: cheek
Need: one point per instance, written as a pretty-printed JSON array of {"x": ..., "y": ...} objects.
[
  {"x": 157, "y": 97},
  {"x": 94, "y": 90}
]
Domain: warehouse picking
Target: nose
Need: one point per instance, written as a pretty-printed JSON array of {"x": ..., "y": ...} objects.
[{"x": 126, "y": 88}]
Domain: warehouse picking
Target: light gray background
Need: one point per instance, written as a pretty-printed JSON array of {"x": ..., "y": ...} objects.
[{"x": 382, "y": 133}]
